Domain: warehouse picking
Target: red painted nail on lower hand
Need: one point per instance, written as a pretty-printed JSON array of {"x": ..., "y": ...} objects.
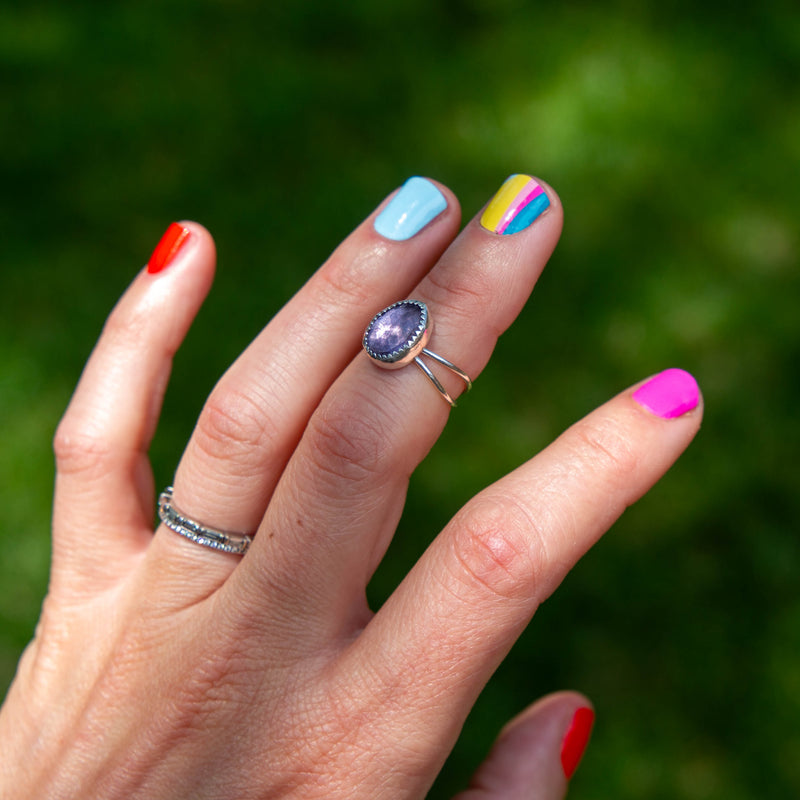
[{"x": 576, "y": 739}]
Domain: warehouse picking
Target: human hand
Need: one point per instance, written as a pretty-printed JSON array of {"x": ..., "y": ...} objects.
[{"x": 165, "y": 669}]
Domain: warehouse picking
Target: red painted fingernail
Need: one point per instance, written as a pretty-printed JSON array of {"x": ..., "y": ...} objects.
[
  {"x": 168, "y": 247},
  {"x": 575, "y": 740}
]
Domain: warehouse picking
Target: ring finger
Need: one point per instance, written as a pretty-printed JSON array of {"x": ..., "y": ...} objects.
[{"x": 258, "y": 410}]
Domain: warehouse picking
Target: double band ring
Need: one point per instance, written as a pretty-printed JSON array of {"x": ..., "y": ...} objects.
[{"x": 397, "y": 336}]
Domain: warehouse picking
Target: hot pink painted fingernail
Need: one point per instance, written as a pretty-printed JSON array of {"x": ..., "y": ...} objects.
[
  {"x": 669, "y": 394},
  {"x": 575, "y": 740}
]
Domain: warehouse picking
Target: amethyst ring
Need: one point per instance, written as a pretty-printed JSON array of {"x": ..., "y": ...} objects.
[{"x": 397, "y": 336}]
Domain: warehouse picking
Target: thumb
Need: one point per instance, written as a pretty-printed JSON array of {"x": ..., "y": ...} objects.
[{"x": 537, "y": 753}]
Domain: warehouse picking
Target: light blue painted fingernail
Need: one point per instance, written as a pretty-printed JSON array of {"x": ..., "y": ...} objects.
[{"x": 410, "y": 210}]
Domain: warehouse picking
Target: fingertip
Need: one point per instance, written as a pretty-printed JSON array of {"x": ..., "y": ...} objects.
[
  {"x": 453, "y": 205},
  {"x": 521, "y": 201},
  {"x": 183, "y": 242},
  {"x": 174, "y": 239},
  {"x": 561, "y": 722},
  {"x": 537, "y": 752},
  {"x": 576, "y": 738},
  {"x": 200, "y": 233},
  {"x": 670, "y": 394},
  {"x": 556, "y": 710},
  {"x": 415, "y": 207}
]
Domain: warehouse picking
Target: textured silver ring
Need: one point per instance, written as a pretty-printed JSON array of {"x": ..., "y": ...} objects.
[
  {"x": 397, "y": 336},
  {"x": 199, "y": 534}
]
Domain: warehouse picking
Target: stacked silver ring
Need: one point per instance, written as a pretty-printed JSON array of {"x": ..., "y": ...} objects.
[{"x": 199, "y": 534}]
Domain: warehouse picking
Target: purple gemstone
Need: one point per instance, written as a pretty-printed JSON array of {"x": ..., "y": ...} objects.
[{"x": 393, "y": 328}]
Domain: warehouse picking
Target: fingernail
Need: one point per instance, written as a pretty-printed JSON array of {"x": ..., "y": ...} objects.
[
  {"x": 166, "y": 250},
  {"x": 575, "y": 740},
  {"x": 519, "y": 201},
  {"x": 669, "y": 394},
  {"x": 410, "y": 210}
]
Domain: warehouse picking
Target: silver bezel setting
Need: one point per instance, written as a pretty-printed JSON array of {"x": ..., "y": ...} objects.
[{"x": 412, "y": 346}]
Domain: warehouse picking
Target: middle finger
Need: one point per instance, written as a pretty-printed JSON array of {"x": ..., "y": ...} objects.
[{"x": 340, "y": 498}]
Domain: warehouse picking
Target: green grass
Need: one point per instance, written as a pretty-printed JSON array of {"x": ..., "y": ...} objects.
[{"x": 672, "y": 133}]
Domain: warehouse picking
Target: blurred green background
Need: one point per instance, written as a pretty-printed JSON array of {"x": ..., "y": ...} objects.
[{"x": 671, "y": 131}]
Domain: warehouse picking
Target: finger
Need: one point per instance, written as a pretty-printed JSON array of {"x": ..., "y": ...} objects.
[
  {"x": 256, "y": 414},
  {"x": 341, "y": 495},
  {"x": 536, "y": 753},
  {"x": 104, "y": 494},
  {"x": 467, "y": 600}
]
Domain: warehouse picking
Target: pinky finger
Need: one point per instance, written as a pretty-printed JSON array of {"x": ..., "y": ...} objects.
[
  {"x": 103, "y": 505},
  {"x": 536, "y": 753}
]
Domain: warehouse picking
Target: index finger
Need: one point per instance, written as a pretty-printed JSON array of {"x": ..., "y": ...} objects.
[{"x": 472, "y": 593}]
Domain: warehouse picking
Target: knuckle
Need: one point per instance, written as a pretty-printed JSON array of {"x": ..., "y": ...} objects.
[
  {"x": 346, "y": 445},
  {"x": 499, "y": 549},
  {"x": 79, "y": 451},
  {"x": 233, "y": 426},
  {"x": 128, "y": 326},
  {"x": 463, "y": 294},
  {"x": 349, "y": 278},
  {"x": 601, "y": 445}
]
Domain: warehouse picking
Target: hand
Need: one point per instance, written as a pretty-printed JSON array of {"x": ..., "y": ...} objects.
[{"x": 165, "y": 669}]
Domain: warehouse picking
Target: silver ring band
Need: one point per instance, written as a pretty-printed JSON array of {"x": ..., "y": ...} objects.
[{"x": 199, "y": 534}]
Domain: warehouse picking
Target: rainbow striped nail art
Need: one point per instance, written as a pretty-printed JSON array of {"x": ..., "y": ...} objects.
[{"x": 516, "y": 205}]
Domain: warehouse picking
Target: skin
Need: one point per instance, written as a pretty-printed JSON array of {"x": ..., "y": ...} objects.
[{"x": 163, "y": 669}]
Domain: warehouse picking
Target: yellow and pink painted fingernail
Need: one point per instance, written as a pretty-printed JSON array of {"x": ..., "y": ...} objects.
[
  {"x": 519, "y": 201},
  {"x": 672, "y": 393}
]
